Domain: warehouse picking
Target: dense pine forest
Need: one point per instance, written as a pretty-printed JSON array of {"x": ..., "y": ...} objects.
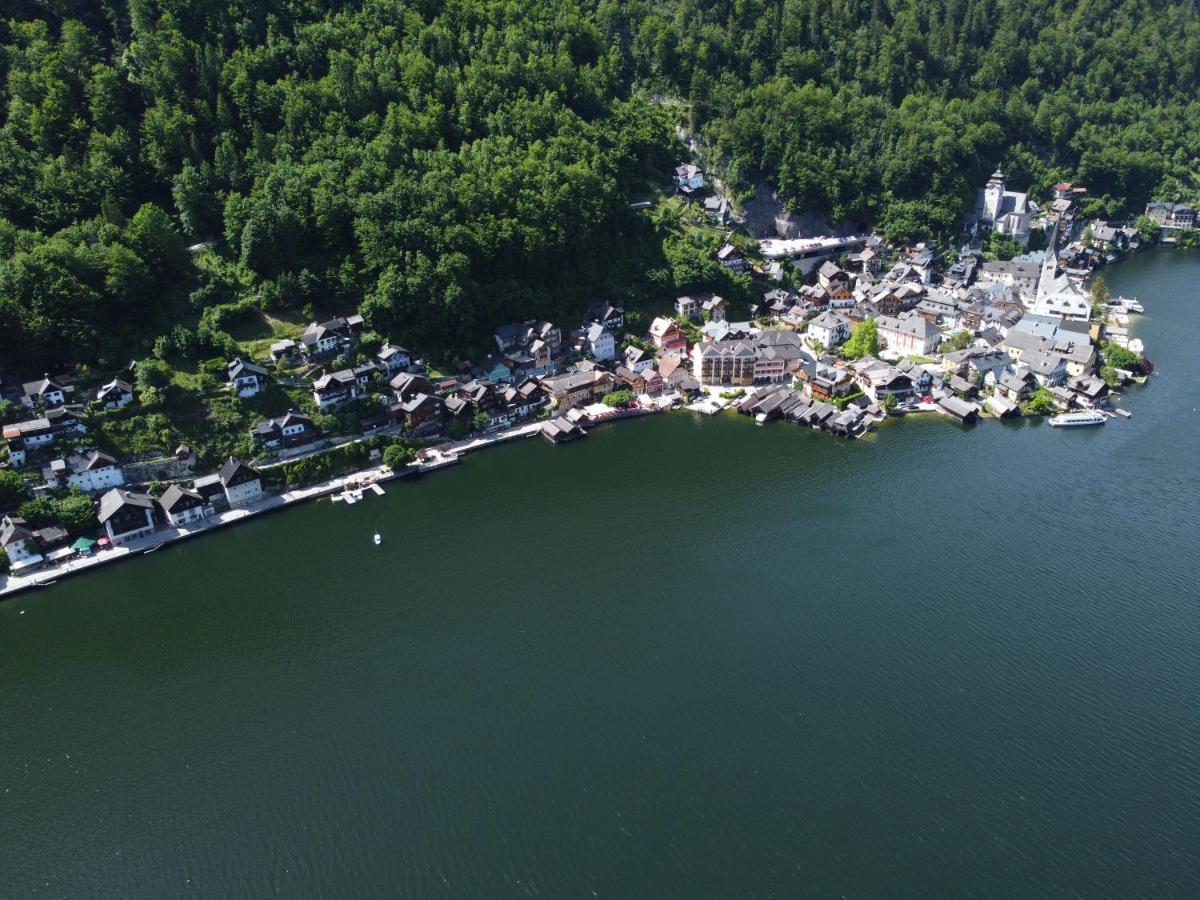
[{"x": 445, "y": 166}]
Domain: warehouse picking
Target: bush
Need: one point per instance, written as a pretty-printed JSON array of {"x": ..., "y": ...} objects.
[
  {"x": 1040, "y": 404},
  {"x": 322, "y": 466},
  {"x": 843, "y": 402},
  {"x": 1147, "y": 227},
  {"x": 396, "y": 457},
  {"x": 151, "y": 373},
  {"x": 619, "y": 399},
  {"x": 1121, "y": 357},
  {"x": 864, "y": 340},
  {"x": 1000, "y": 247},
  {"x": 77, "y": 512},
  {"x": 12, "y": 487},
  {"x": 39, "y": 512},
  {"x": 4, "y": 563}
]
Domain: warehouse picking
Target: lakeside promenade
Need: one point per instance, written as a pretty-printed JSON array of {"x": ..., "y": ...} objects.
[
  {"x": 14, "y": 584},
  {"x": 446, "y": 454}
]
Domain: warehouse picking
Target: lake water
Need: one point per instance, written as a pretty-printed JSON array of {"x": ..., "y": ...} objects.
[{"x": 684, "y": 657}]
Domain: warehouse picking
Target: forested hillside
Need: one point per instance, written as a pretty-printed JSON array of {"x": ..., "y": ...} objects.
[
  {"x": 449, "y": 165},
  {"x": 446, "y": 164},
  {"x": 895, "y": 110}
]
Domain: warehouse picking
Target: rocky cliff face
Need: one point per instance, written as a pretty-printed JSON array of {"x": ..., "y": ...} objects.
[{"x": 766, "y": 217}]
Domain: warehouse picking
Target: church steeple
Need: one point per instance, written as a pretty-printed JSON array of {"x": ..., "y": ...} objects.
[{"x": 993, "y": 195}]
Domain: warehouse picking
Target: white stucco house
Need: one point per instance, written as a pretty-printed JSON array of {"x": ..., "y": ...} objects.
[
  {"x": 44, "y": 393},
  {"x": 829, "y": 329},
  {"x": 92, "y": 472},
  {"x": 246, "y": 378},
  {"x": 19, "y": 543},
  {"x": 393, "y": 359},
  {"x": 115, "y": 394},
  {"x": 183, "y": 506},
  {"x": 242, "y": 482},
  {"x": 600, "y": 342}
]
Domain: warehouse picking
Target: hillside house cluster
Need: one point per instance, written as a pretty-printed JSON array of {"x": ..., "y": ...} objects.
[{"x": 1171, "y": 214}]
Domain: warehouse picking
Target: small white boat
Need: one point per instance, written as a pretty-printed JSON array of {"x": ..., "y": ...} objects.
[
  {"x": 1076, "y": 419},
  {"x": 378, "y": 539},
  {"x": 1123, "y": 413},
  {"x": 1131, "y": 305}
]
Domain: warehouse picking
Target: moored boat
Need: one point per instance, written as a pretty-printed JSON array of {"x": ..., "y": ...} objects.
[{"x": 1075, "y": 419}]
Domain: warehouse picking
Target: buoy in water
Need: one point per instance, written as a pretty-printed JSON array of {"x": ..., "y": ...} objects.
[{"x": 378, "y": 539}]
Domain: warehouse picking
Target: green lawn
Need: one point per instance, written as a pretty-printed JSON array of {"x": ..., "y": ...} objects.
[{"x": 256, "y": 335}]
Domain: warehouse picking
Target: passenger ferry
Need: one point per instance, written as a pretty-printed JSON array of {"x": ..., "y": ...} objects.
[{"x": 1071, "y": 419}]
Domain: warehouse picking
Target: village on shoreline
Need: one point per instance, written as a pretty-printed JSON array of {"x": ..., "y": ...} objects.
[{"x": 849, "y": 331}]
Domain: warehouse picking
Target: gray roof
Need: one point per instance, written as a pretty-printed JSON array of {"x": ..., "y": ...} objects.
[
  {"x": 1074, "y": 346},
  {"x": 12, "y": 529},
  {"x": 829, "y": 319},
  {"x": 94, "y": 460},
  {"x": 46, "y": 384},
  {"x": 1013, "y": 267},
  {"x": 238, "y": 367},
  {"x": 1010, "y": 381},
  {"x": 908, "y": 323},
  {"x": 1041, "y": 362},
  {"x": 235, "y": 467},
  {"x": 116, "y": 385},
  {"x": 112, "y": 502},
  {"x": 726, "y": 348},
  {"x": 960, "y": 408},
  {"x": 175, "y": 495}
]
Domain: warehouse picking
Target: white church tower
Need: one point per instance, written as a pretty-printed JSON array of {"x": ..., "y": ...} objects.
[{"x": 993, "y": 195}]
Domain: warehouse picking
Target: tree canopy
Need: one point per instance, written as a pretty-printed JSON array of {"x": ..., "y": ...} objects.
[
  {"x": 863, "y": 340},
  {"x": 12, "y": 487},
  {"x": 444, "y": 166}
]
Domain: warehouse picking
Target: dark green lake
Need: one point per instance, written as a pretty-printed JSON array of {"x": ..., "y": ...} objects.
[{"x": 684, "y": 657}]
